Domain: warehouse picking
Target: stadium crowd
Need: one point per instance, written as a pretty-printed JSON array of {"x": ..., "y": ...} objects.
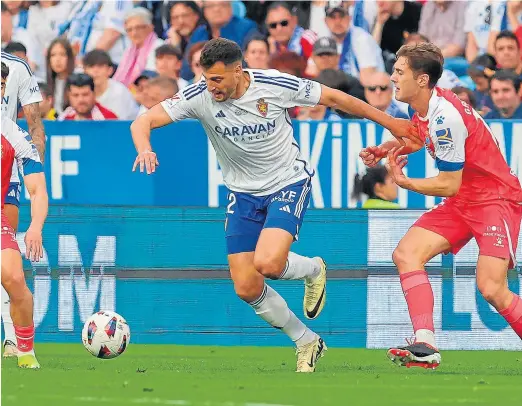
[{"x": 99, "y": 60}]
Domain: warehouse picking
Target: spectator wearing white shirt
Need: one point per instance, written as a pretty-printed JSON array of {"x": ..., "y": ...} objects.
[
  {"x": 109, "y": 92},
  {"x": 168, "y": 63},
  {"x": 140, "y": 56},
  {"x": 477, "y": 25},
  {"x": 360, "y": 56},
  {"x": 510, "y": 19}
]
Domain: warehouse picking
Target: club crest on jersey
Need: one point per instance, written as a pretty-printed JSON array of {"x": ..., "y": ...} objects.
[
  {"x": 444, "y": 137},
  {"x": 262, "y": 107}
]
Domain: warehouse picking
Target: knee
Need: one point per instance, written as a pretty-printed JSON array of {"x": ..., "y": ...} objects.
[
  {"x": 14, "y": 284},
  {"x": 268, "y": 266},
  {"x": 407, "y": 259},
  {"x": 248, "y": 290},
  {"x": 492, "y": 290}
]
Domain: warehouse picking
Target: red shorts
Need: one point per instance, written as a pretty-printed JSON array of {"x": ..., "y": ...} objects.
[
  {"x": 495, "y": 225},
  {"x": 8, "y": 235}
]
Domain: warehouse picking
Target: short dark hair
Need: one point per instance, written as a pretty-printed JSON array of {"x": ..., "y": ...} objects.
[
  {"x": 220, "y": 50},
  {"x": 469, "y": 92},
  {"x": 13, "y": 47},
  {"x": 256, "y": 37},
  {"x": 505, "y": 75},
  {"x": 4, "y": 8},
  {"x": 365, "y": 184},
  {"x": 97, "y": 57},
  {"x": 424, "y": 58},
  {"x": 79, "y": 80},
  {"x": 5, "y": 71},
  {"x": 281, "y": 4},
  {"x": 165, "y": 83},
  {"x": 167, "y": 49},
  {"x": 507, "y": 34}
]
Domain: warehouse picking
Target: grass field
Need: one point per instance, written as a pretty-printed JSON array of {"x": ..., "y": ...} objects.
[{"x": 233, "y": 376}]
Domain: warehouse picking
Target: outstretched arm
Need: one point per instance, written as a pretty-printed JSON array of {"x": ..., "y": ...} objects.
[
  {"x": 35, "y": 183},
  {"x": 336, "y": 99}
]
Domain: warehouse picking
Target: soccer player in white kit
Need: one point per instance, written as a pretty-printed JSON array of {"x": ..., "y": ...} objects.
[
  {"x": 21, "y": 88},
  {"x": 244, "y": 113}
]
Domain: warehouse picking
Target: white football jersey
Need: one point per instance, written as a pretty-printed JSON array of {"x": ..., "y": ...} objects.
[
  {"x": 253, "y": 136},
  {"x": 21, "y": 87}
]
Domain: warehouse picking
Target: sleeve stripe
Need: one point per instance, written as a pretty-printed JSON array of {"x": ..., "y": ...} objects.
[
  {"x": 194, "y": 89},
  {"x": 446, "y": 166},
  {"x": 30, "y": 166},
  {"x": 281, "y": 79},
  {"x": 198, "y": 92},
  {"x": 13, "y": 58},
  {"x": 269, "y": 82}
]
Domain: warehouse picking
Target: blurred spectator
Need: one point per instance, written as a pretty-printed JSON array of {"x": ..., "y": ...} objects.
[
  {"x": 97, "y": 25},
  {"x": 394, "y": 20},
  {"x": 465, "y": 94},
  {"x": 140, "y": 56},
  {"x": 318, "y": 112},
  {"x": 221, "y": 23},
  {"x": 477, "y": 25},
  {"x": 11, "y": 33},
  {"x": 257, "y": 53},
  {"x": 481, "y": 70},
  {"x": 159, "y": 10},
  {"x": 325, "y": 54},
  {"x": 19, "y": 13},
  {"x": 507, "y": 52},
  {"x": 141, "y": 83},
  {"x": 360, "y": 55},
  {"x": 510, "y": 19},
  {"x": 17, "y": 49},
  {"x": 285, "y": 34},
  {"x": 194, "y": 53},
  {"x": 378, "y": 186},
  {"x": 60, "y": 65},
  {"x": 505, "y": 93},
  {"x": 336, "y": 79},
  {"x": 257, "y": 11},
  {"x": 109, "y": 92},
  {"x": 448, "y": 80},
  {"x": 168, "y": 63},
  {"x": 442, "y": 22},
  {"x": 378, "y": 91},
  {"x": 83, "y": 105},
  {"x": 288, "y": 62},
  {"x": 45, "y": 18},
  {"x": 156, "y": 90},
  {"x": 47, "y": 111},
  {"x": 185, "y": 17}
]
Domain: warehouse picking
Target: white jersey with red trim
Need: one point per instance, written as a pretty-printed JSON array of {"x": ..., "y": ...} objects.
[{"x": 458, "y": 138}]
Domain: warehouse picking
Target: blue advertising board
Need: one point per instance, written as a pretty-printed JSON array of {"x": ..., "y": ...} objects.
[{"x": 90, "y": 163}]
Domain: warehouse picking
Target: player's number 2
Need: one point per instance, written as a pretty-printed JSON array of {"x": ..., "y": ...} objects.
[{"x": 232, "y": 200}]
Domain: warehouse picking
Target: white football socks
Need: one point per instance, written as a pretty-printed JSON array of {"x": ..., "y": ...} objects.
[
  {"x": 299, "y": 267},
  {"x": 9, "y": 333},
  {"x": 272, "y": 308},
  {"x": 425, "y": 336}
]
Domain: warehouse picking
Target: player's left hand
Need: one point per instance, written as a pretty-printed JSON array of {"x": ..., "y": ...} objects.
[
  {"x": 394, "y": 165},
  {"x": 33, "y": 245},
  {"x": 146, "y": 160},
  {"x": 402, "y": 128}
]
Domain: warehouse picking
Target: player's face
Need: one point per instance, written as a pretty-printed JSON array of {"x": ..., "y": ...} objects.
[
  {"x": 407, "y": 84},
  {"x": 222, "y": 80},
  {"x": 4, "y": 81},
  {"x": 82, "y": 99}
]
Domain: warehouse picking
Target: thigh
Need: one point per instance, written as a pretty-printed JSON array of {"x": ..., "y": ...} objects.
[
  {"x": 492, "y": 269},
  {"x": 446, "y": 221},
  {"x": 287, "y": 207},
  {"x": 496, "y": 227},
  {"x": 11, "y": 265},
  {"x": 8, "y": 236},
  {"x": 417, "y": 247},
  {"x": 244, "y": 221}
]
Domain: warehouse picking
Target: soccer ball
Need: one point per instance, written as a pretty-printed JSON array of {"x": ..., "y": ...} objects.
[{"x": 106, "y": 334}]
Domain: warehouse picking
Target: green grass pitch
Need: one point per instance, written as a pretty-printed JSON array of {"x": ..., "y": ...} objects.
[{"x": 255, "y": 376}]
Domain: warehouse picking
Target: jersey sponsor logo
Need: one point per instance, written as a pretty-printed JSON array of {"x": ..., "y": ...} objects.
[
  {"x": 286, "y": 196},
  {"x": 262, "y": 107},
  {"x": 34, "y": 89},
  {"x": 308, "y": 88},
  {"x": 444, "y": 137},
  {"x": 256, "y": 129},
  {"x": 5, "y": 100}
]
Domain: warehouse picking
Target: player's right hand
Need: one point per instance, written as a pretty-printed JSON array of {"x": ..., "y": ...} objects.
[
  {"x": 372, "y": 155},
  {"x": 33, "y": 244},
  {"x": 146, "y": 160}
]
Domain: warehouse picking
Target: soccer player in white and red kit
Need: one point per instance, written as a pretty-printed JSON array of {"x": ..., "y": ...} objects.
[
  {"x": 16, "y": 146},
  {"x": 483, "y": 199}
]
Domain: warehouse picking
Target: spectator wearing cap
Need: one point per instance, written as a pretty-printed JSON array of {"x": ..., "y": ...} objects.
[
  {"x": 168, "y": 63},
  {"x": 47, "y": 111},
  {"x": 220, "y": 23},
  {"x": 507, "y": 52},
  {"x": 481, "y": 70},
  {"x": 379, "y": 94},
  {"x": 394, "y": 19},
  {"x": 156, "y": 90},
  {"x": 360, "y": 56},
  {"x": 257, "y": 53},
  {"x": 466, "y": 95},
  {"x": 83, "y": 105},
  {"x": 140, "y": 56},
  {"x": 185, "y": 17},
  {"x": 141, "y": 83},
  {"x": 284, "y": 33},
  {"x": 109, "y": 92},
  {"x": 505, "y": 93},
  {"x": 477, "y": 26}
]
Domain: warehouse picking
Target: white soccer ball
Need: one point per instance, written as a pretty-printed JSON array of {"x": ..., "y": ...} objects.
[{"x": 106, "y": 334}]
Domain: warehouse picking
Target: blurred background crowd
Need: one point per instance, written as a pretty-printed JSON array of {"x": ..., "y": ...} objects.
[{"x": 98, "y": 60}]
